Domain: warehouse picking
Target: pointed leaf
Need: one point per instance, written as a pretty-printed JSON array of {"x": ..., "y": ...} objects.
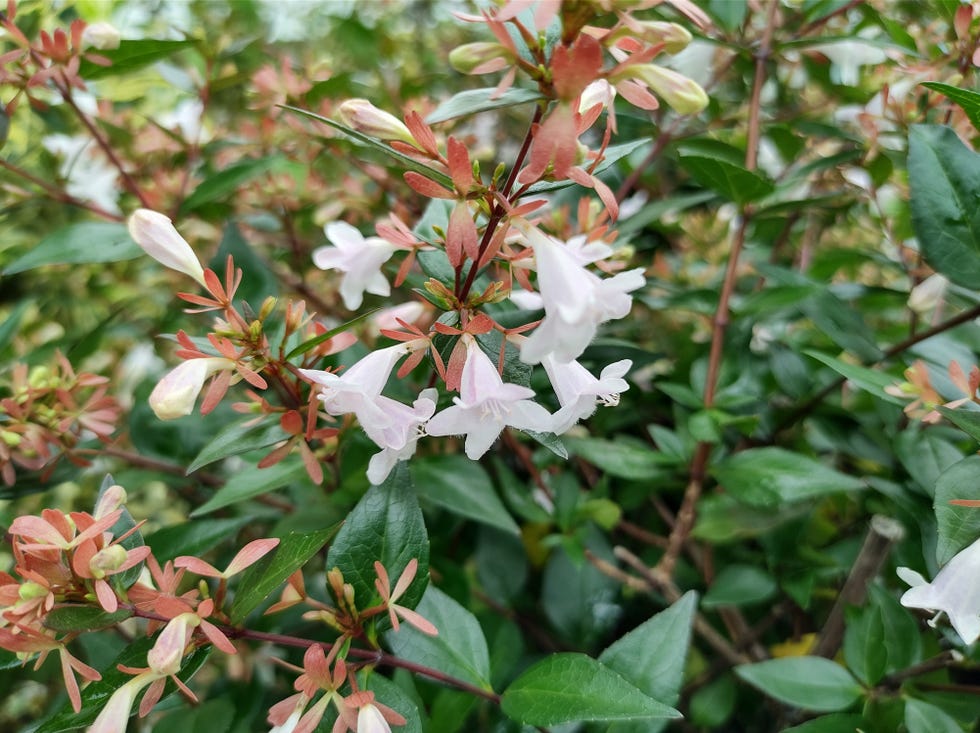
[
  {"x": 473, "y": 101},
  {"x": 82, "y": 243},
  {"x": 463, "y": 487},
  {"x": 811, "y": 683},
  {"x": 958, "y": 526}
]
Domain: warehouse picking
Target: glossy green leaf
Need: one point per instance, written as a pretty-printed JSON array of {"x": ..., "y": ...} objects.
[
  {"x": 237, "y": 438},
  {"x": 82, "y": 618},
  {"x": 262, "y": 579},
  {"x": 740, "y": 585},
  {"x": 870, "y": 380},
  {"x": 95, "y": 695},
  {"x": 900, "y": 630},
  {"x": 473, "y": 101},
  {"x": 774, "y": 476},
  {"x": 623, "y": 458},
  {"x": 958, "y": 526},
  {"x": 463, "y": 487},
  {"x": 967, "y": 99},
  {"x": 385, "y": 526},
  {"x": 82, "y": 243},
  {"x": 944, "y": 182},
  {"x": 922, "y": 717},
  {"x": 317, "y": 340},
  {"x": 131, "y": 55},
  {"x": 403, "y": 160},
  {"x": 574, "y": 687},
  {"x": 652, "y": 657},
  {"x": 253, "y": 481},
  {"x": 722, "y": 168},
  {"x": 966, "y": 420},
  {"x": 833, "y": 723},
  {"x": 811, "y": 683},
  {"x": 864, "y": 650},
  {"x": 458, "y": 650},
  {"x": 223, "y": 184}
]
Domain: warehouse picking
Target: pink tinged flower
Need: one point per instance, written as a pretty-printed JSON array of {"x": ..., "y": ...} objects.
[
  {"x": 156, "y": 234},
  {"x": 401, "y": 435},
  {"x": 364, "y": 117},
  {"x": 175, "y": 394},
  {"x": 370, "y": 720},
  {"x": 576, "y": 300},
  {"x": 358, "y": 258},
  {"x": 486, "y": 405},
  {"x": 114, "y": 717},
  {"x": 954, "y": 592},
  {"x": 389, "y": 596},
  {"x": 579, "y": 392}
]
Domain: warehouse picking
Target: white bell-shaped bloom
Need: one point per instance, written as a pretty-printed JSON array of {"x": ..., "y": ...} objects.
[
  {"x": 402, "y": 434},
  {"x": 579, "y": 392},
  {"x": 156, "y": 234},
  {"x": 486, "y": 405},
  {"x": 955, "y": 592},
  {"x": 358, "y": 258}
]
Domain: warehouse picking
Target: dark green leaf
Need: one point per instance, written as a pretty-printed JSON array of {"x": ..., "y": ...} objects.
[
  {"x": 922, "y": 717},
  {"x": 265, "y": 576},
  {"x": 722, "y": 168},
  {"x": 864, "y": 650},
  {"x": 463, "y": 487},
  {"x": 132, "y": 55},
  {"x": 870, "y": 380},
  {"x": 317, "y": 340},
  {"x": 237, "y": 438},
  {"x": 473, "y": 101},
  {"x": 967, "y": 99},
  {"x": 253, "y": 481},
  {"x": 958, "y": 526},
  {"x": 82, "y": 618},
  {"x": 740, "y": 585},
  {"x": 458, "y": 650},
  {"x": 774, "y": 476},
  {"x": 834, "y": 723},
  {"x": 626, "y": 459},
  {"x": 944, "y": 181},
  {"x": 221, "y": 185},
  {"x": 573, "y": 687},
  {"x": 83, "y": 243},
  {"x": 966, "y": 420},
  {"x": 811, "y": 683},
  {"x": 385, "y": 526}
]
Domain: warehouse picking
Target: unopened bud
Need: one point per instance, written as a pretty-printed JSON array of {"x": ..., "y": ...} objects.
[
  {"x": 111, "y": 499},
  {"x": 156, "y": 234},
  {"x": 268, "y": 305},
  {"x": 674, "y": 37},
  {"x": 685, "y": 95},
  {"x": 30, "y": 590},
  {"x": 479, "y": 58},
  {"x": 101, "y": 36},
  {"x": 175, "y": 394},
  {"x": 363, "y": 116},
  {"x": 107, "y": 561},
  {"x": 164, "y": 658},
  {"x": 10, "y": 439}
]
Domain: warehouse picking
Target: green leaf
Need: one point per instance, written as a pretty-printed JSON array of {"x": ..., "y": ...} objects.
[
  {"x": 902, "y": 639},
  {"x": 967, "y": 99},
  {"x": 922, "y": 717},
  {"x": 463, "y": 487},
  {"x": 385, "y": 526},
  {"x": 944, "y": 181},
  {"x": 83, "y": 243},
  {"x": 193, "y": 538},
  {"x": 211, "y": 716},
  {"x": 82, "y": 618},
  {"x": 721, "y": 168},
  {"x": 574, "y": 687},
  {"x": 966, "y": 420},
  {"x": 730, "y": 14},
  {"x": 405, "y": 161},
  {"x": 958, "y": 526},
  {"x": 221, "y": 185},
  {"x": 834, "y": 723},
  {"x": 623, "y": 458},
  {"x": 811, "y": 683},
  {"x": 10, "y": 326},
  {"x": 96, "y": 694},
  {"x": 317, "y": 340},
  {"x": 723, "y": 518},
  {"x": 652, "y": 657},
  {"x": 237, "y": 438},
  {"x": 265, "y": 576},
  {"x": 473, "y": 101},
  {"x": 870, "y": 380},
  {"x": 740, "y": 585},
  {"x": 774, "y": 476},
  {"x": 460, "y": 648},
  {"x": 864, "y": 649},
  {"x": 131, "y": 55},
  {"x": 253, "y": 481}
]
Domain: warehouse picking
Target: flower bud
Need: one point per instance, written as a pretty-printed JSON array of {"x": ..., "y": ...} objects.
[
  {"x": 685, "y": 95},
  {"x": 107, "y": 561},
  {"x": 175, "y": 394},
  {"x": 111, "y": 499},
  {"x": 674, "y": 37},
  {"x": 928, "y": 294},
  {"x": 164, "y": 658},
  {"x": 479, "y": 58},
  {"x": 155, "y": 233},
  {"x": 364, "y": 117},
  {"x": 101, "y": 36}
]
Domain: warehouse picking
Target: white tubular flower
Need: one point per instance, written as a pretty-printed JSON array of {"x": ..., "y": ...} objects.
[
  {"x": 175, "y": 394},
  {"x": 576, "y": 301},
  {"x": 370, "y": 720},
  {"x": 955, "y": 592},
  {"x": 364, "y": 117},
  {"x": 114, "y": 717},
  {"x": 358, "y": 258},
  {"x": 579, "y": 393},
  {"x": 402, "y": 434},
  {"x": 486, "y": 405},
  {"x": 156, "y": 234}
]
